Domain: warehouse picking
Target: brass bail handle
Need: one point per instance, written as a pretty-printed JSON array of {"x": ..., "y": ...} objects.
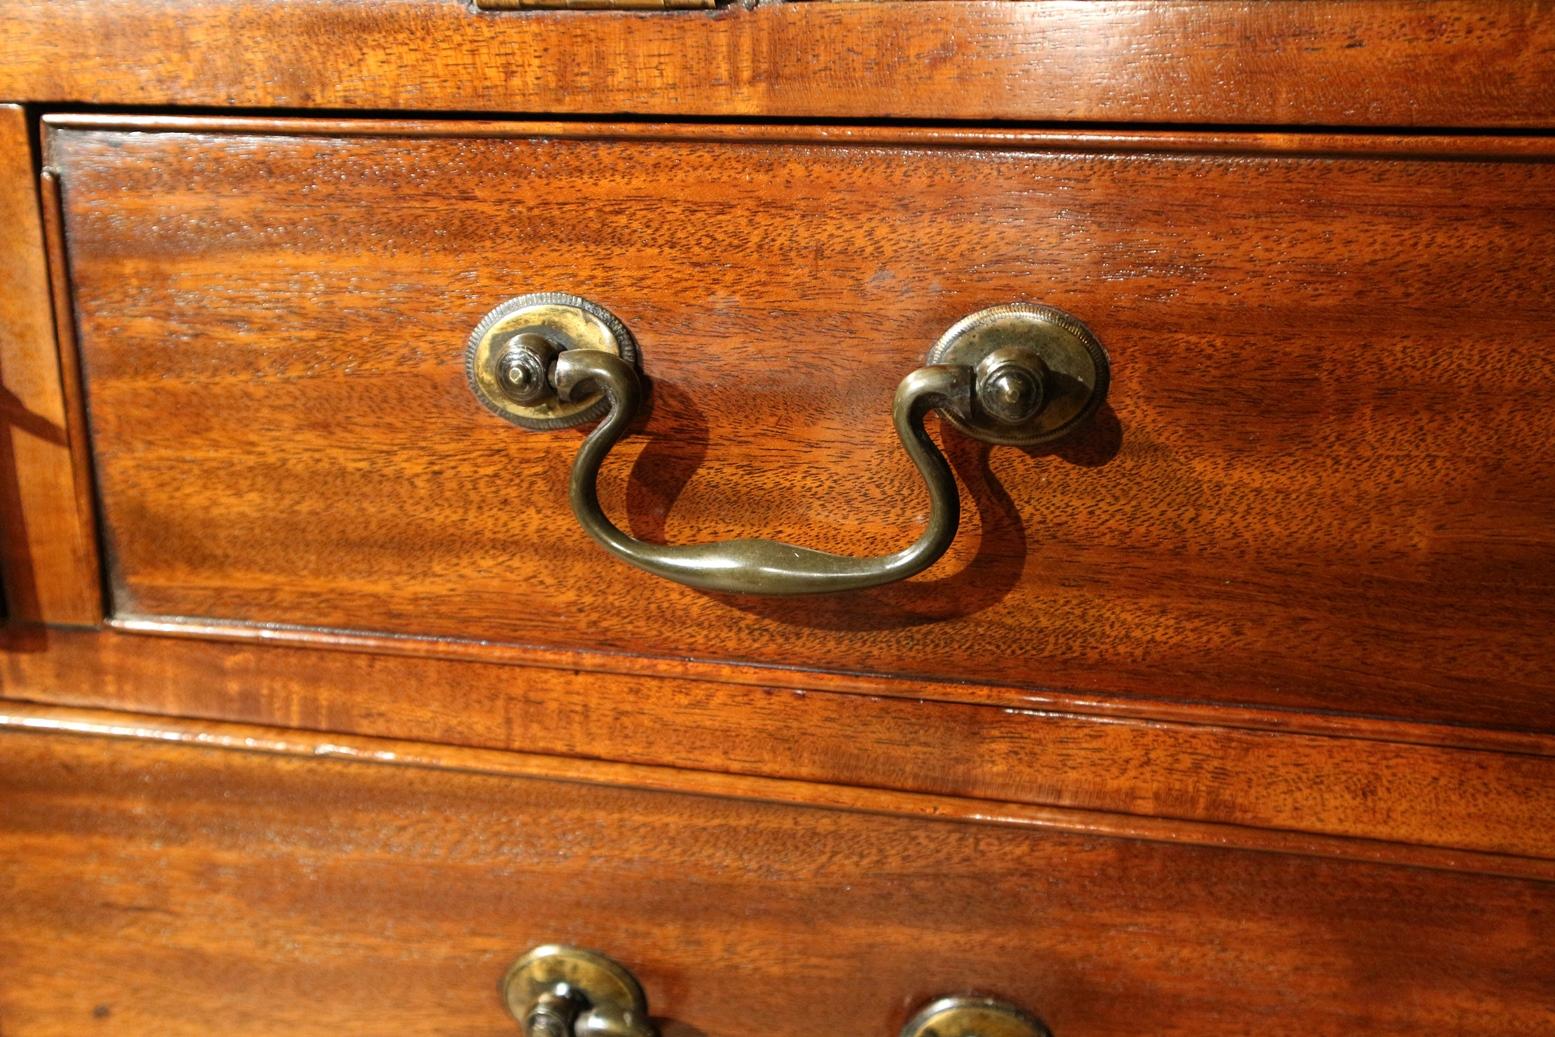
[
  {"x": 561, "y": 991},
  {"x": 1018, "y": 374}
]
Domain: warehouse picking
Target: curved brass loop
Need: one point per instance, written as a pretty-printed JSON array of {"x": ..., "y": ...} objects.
[
  {"x": 1019, "y": 374},
  {"x": 751, "y": 566}
]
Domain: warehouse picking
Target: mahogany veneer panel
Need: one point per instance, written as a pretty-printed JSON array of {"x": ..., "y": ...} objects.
[
  {"x": 161, "y": 888},
  {"x": 1496, "y": 799},
  {"x": 1326, "y": 477},
  {"x": 1429, "y": 63}
]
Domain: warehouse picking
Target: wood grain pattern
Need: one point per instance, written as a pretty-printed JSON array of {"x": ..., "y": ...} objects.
[
  {"x": 607, "y": 666},
  {"x": 1423, "y": 63},
  {"x": 165, "y": 888},
  {"x": 1297, "y": 498},
  {"x": 48, "y": 554},
  {"x": 1353, "y": 787},
  {"x": 398, "y": 753}
]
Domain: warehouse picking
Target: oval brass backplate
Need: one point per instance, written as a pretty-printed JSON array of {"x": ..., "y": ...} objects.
[
  {"x": 555, "y": 968},
  {"x": 1077, "y": 368},
  {"x": 973, "y": 1017},
  {"x": 568, "y": 322}
]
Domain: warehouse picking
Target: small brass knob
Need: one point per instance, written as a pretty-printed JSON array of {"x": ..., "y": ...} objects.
[
  {"x": 523, "y": 369},
  {"x": 1011, "y": 385}
]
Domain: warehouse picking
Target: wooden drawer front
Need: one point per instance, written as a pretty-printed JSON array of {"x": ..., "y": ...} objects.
[
  {"x": 157, "y": 888},
  {"x": 1325, "y": 478},
  {"x": 1487, "y": 63}
]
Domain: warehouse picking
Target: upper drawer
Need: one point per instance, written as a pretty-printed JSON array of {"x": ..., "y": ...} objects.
[
  {"x": 1483, "y": 63},
  {"x": 1325, "y": 476}
]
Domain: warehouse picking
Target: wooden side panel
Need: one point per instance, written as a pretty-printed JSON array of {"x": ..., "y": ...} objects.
[
  {"x": 47, "y": 553},
  {"x": 1325, "y": 478},
  {"x": 158, "y": 888},
  {"x": 1424, "y": 63}
]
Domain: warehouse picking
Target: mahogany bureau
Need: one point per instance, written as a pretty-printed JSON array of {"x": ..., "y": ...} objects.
[{"x": 954, "y": 518}]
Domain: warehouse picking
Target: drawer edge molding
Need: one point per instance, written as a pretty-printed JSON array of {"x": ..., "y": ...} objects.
[
  {"x": 303, "y": 745},
  {"x": 1470, "y": 799},
  {"x": 1378, "y": 728},
  {"x": 1208, "y": 141}
]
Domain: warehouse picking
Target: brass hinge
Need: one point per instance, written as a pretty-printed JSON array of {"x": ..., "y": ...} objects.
[{"x": 594, "y": 5}]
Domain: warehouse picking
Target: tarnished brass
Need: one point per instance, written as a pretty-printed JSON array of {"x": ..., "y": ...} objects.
[
  {"x": 1019, "y": 343},
  {"x": 766, "y": 566},
  {"x": 1011, "y": 374},
  {"x": 559, "y": 991},
  {"x": 973, "y": 1017},
  {"x": 509, "y": 357}
]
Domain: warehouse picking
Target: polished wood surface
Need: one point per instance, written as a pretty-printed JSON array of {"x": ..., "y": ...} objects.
[
  {"x": 306, "y": 745},
  {"x": 157, "y": 886},
  {"x": 1298, "y": 497},
  {"x": 1232, "y": 717},
  {"x": 48, "y": 553},
  {"x": 1417, "y": 63},
  {"x": 605, "y": 666},
  {"x": 1355, "y": 792}
]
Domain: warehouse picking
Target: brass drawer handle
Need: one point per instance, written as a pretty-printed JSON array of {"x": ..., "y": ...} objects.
[
  {"x": 558, "y": 991},
  {"x": 1017, "y": 374}
]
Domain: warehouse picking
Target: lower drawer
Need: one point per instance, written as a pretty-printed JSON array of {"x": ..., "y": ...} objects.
[{"x": 152, "y": 886}]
